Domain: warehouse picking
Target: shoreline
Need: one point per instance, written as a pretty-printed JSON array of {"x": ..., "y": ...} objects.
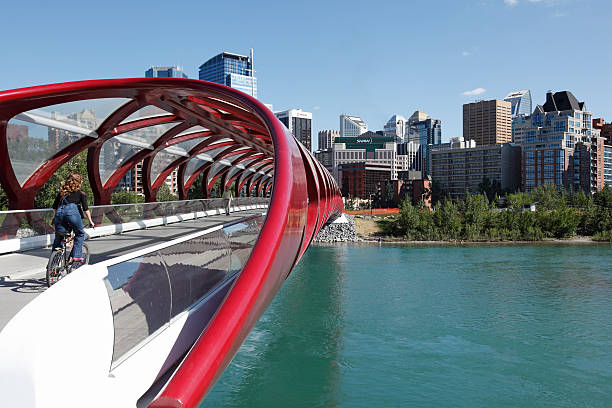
[{"x": 394, "y": 241}]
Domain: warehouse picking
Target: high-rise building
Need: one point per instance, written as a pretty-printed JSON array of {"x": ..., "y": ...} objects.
[
  {"x": 605, "y": 130},
  {"x": 299, "y": 124},
  {"x": 605, "y": 150},
  {"x": 521, "y": 102},
  {"x": 559, "y": 145},
  {"x": 396, "y": 128},
  {"x": 232, "y": 70},
  {"x": 326, "y": 138},
  {"x": 422, "y": 130},
  {"x": 460, "y": 166},
  {"x": 374, "y": 147},
  {"x": 352, "y": 126},
  {"x": 165, "y": 72},
  {"x": 488, "y": 122}
]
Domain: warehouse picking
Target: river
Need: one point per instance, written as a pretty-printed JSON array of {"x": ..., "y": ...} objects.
[{"x": 432, "y": 326}]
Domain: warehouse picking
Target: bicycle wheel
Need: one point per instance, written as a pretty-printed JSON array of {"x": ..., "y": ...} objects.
[
  {"x": 55, "y": 268},
  {"x": 71, "y": 265}
]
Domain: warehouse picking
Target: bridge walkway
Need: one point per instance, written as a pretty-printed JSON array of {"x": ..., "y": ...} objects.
[{"x": 22, "y": 275}]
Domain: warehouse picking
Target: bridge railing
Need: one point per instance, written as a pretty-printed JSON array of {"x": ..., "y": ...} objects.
[{"x": 26, "y": 229}]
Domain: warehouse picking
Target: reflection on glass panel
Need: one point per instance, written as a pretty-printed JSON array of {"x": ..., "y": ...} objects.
[
  {"x": 193, "y": 129},
  {"x": 249, "y": 161},
  {"x": 187, "y": 145},
  {"x": 193, "y": 165},
  {"x": 149, "y": 111},
  {"x": 112, "y": 155},
  {"x": 242, "y": 238},
  {"x": 162, "y": 160},
  {"x": 139, "y": 294},
  {"x": 232, "y": 172},
  {"x": 215, "y": 169},
  {"x": 214, "y": 152},
  {"x": 195, "y": 267},
  {"x": 43, "y": 132},
  {"x": 88, "y": 114},
  {"x": 148, "y": 134}
]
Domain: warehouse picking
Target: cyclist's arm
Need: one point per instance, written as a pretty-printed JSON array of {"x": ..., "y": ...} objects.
[
  {"x": 86, "y": 208},
  {"x": 88, "y": 214}
]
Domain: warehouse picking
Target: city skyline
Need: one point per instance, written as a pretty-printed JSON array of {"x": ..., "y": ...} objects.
[{"x": 468, "y": 51}]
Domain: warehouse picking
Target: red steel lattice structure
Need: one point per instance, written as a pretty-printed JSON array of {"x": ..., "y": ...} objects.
[{"x": 249, "y": 148}]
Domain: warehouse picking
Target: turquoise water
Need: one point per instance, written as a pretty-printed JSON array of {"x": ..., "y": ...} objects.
[{"x": 432, "y": 326}]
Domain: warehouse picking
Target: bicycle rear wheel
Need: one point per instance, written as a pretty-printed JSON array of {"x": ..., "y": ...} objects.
[
  {"x": 76, "y": 265},
  {"x": 55, "y": 268}
]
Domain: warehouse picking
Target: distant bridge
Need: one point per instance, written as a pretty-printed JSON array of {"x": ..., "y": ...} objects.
[{"x": 156, "y": 324}]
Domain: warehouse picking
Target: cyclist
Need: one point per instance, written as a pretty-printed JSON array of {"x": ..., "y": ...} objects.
[{"x": 68, "y": 207}]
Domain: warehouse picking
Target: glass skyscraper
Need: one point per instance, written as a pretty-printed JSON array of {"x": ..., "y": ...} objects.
[
  {"x": 232, "y": 70},
  {"x": 521, "y": 102},
  {"x": 421, "y": 129},
  {"x": 165, "y": 72}
]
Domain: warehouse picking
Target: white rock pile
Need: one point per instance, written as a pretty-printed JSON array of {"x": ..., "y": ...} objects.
[{"x": 338, "y": 231}]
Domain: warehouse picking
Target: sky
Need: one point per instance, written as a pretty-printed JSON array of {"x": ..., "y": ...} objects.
[{"x": 372, "y": 59}]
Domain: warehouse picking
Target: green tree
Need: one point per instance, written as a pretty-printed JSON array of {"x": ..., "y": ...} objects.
[
  {"x": 47, "y": 193},
  {"x": 164, "y": 194},
  {"x": 126, "y": 197},
  {"x": 3, "y": 200},
  {"x": 195, "y": 191}
]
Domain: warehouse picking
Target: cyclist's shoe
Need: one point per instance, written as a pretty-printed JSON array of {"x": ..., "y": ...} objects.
[
  {"x": 78, "y": 259},
  {"x": 57, "y": 249}
]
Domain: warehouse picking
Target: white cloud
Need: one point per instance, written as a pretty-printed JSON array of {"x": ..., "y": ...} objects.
[
  {"x": 510, "y": 3},
  {"x": 465, "y": 53},
  {"x": 316, "y": 108},
  {"x": 473, "y": 92},
  {"x": 560, "y": 14}
]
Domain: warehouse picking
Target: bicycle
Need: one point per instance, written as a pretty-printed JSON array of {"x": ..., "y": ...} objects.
[{"x": 61, "y": 263}]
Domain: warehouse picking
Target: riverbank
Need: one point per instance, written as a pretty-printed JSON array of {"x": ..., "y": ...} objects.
[{"x": 371, "y": 229}]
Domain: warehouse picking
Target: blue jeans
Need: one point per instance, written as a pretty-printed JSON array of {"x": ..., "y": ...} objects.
[{"x": 68, "y": 218}]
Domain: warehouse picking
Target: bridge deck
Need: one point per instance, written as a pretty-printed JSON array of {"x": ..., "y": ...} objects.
[{"x": 23, "y": 274}]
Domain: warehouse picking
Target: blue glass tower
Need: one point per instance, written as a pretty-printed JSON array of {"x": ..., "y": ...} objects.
[
  {"x": 165, "y": 72},
  {"x": 521, "y": 102},
  {"x": 232, "y": 70}
]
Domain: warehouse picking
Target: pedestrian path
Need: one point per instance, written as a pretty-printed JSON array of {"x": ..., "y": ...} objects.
[{"x": 22, "y": 275}]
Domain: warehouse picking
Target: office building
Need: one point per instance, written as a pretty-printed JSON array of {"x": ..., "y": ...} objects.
[
  {"x": 233, "y": 70},
  {"x": 299, "y": 124},
  {"x": 424, "y": 131},
  {"x": 462, "y": 166},
  {"x": 165, "y": 72},
  {"x": 487, "y": 122},
  {"x": 557, "y": 141},
  {"x": 396, "y": 128},
  {"x": 605, "y": 130},
  {"x": 352, "y": 126},
  {"x": 374, "y": 148},
  {"x": 326, "y": 138},
  {"x": 409, "y": 187},
  {"x": 326, "y": 158},
  {"x": 520, "y": 101},
  {"x": 364, "y": 180}
]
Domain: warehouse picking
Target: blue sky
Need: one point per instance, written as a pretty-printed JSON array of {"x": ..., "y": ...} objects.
[{"x": 371, "y": 58}]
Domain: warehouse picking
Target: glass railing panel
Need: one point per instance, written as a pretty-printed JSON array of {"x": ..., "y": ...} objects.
[
  {"x": 139, "y": 292},
  {"x": 32, "y": 223},
  {"x": 196, "y": 267}
]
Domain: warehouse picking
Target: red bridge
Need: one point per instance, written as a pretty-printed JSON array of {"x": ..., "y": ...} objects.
[{"x": 193, "y": 298}]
